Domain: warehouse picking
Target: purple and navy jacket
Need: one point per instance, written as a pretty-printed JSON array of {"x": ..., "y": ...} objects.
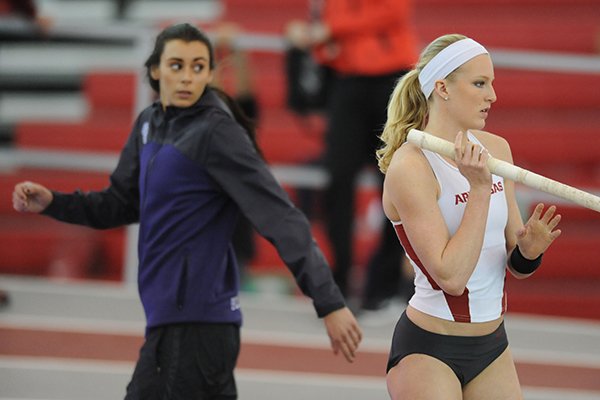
[{"x": 185, "y": 174}]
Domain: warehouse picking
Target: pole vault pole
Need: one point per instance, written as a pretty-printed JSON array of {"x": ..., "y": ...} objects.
[{"x": 509, "y": 171}]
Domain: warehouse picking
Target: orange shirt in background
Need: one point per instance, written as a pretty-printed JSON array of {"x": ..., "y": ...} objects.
[{"x": 369, "y": 37}]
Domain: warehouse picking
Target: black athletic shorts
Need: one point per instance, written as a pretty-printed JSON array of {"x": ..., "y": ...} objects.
[
  {"x": 187, "y": 361},
  {"x": 466, "y": 355}
]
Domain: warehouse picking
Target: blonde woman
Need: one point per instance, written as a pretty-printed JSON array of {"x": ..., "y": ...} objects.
[{"x": 460, "y": 227}]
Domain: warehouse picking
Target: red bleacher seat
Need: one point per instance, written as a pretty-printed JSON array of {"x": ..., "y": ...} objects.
[
  {"x": 35, "y": 245},
  {"x": 573, "y": 298},
  {"x": 97, "y": 134},
  {"x": 548, "y": 90},
  {"x": 286, "y": 138},
  {"x": 269, "y": 79},
  {"x": 110, "y": 97},
  {"x": 554, "y": 25},
  {"x": 110, "y": 90},
  {"x": 556, "y": 135},
  {"x": 38, "y": 245}
]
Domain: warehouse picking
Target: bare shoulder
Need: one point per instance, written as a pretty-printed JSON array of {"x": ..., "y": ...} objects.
[
  {"x": 408, "y": 159},
  {"x": 408, "y": 180},
  {"x": 409, "y": 167},
  {"x": 497, "y": 146}
]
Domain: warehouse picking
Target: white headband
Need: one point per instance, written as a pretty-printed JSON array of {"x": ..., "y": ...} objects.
[{"x": 447, "y": 61}]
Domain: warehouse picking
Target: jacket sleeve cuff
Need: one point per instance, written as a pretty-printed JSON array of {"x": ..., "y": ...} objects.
[
  {"x": 56, "y": 206},
  {"x": 324, "y": 310},
  {"x": 330, "y": 302}
]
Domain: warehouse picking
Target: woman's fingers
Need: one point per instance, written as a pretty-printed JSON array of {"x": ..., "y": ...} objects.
[
  {"x": 537, "y": 212},
  {"x": 554, "y": 222},
  {"x": 459, "y": 146},
  {"x": 548, "y": 214},
  {"x": 468, "y": 152}
]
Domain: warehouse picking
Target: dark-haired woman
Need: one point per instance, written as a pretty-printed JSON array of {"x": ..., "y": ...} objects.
[{"x": 188, "y": 169}]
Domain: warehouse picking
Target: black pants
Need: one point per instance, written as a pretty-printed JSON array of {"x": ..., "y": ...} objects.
[
  {"x": 187, "y": 362},
  {"x": 357, "y": 112}
]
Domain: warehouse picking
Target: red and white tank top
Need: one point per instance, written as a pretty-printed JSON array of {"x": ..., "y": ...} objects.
[{"x": 484, "y": 298}]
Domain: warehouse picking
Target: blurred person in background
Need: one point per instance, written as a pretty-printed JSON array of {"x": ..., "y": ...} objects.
[
  {"x": 461, "y": 227},
  {"x": 121, "y": 8},
  {"x": 23, "y": 13},
  {"x": 4, "y": 298},
  {"x": 21, "y": 8},
  {"x": 188, "y": 169},
  {"x": 369, "y": 45}
]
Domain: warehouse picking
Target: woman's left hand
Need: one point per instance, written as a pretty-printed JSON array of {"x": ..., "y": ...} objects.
[{"x": 539, "y": 232}]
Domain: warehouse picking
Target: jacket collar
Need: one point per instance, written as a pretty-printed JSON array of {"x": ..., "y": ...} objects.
[{"x": 209, "y": 99}]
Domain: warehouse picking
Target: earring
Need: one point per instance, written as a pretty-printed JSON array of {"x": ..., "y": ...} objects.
[{"x": 446, "y": 98}]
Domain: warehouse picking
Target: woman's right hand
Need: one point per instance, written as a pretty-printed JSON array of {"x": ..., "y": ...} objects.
[
  {"x": 31, "y": 197},
  {"x": 471, "y": 160},
  {"x": 297, "y": 33}
]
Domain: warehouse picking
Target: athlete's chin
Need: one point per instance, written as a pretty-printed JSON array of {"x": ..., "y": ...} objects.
[{"x": 479, "y": 125}]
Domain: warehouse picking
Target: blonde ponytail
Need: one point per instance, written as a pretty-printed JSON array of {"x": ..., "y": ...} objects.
[{"x": 408, "y": 108}]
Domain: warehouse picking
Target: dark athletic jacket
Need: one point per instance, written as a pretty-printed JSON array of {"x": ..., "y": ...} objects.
[{"x": 184, "y": 175}]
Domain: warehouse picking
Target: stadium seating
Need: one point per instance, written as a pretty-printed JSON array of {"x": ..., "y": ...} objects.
[
  {"x": 36, "y": 245},
  {"x": 550, "y": 118}
]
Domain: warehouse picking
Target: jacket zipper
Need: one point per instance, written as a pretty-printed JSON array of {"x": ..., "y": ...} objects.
[
  {"x": 182, "y": 285},
  {"x": 150, "y": 164}
]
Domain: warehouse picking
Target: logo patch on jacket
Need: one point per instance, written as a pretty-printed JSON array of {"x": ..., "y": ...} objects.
[
  {"x": 145, "y": 130},
  {"x": 235, "y": 303}
]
